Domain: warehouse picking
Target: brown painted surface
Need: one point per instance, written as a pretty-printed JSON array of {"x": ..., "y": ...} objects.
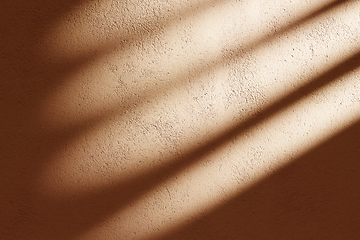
[{"x": 179, "y": 119}]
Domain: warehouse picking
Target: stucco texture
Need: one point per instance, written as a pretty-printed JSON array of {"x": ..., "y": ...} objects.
[{"x": 179, "y": 119}]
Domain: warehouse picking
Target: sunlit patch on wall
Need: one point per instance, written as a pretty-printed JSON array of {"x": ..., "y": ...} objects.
[{"x": 185, "y": 117}]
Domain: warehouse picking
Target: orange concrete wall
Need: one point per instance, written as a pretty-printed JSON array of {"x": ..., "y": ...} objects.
[{"x": 179, "y": 119}]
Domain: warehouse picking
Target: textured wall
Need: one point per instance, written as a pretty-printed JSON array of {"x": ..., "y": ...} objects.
[{"x": 179, "y": 119}]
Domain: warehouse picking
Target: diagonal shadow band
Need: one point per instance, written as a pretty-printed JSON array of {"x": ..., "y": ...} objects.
[
  {"x": 63, "y": 68},
  {"x": 316, "y": 196},
  {"x": 113, "y": 199},
  {"x": 59, "y": 138},
  {"x": 33, "y": 71},
  {"x": 177, "y": 81},
  {"x": 34, "y": 19}
]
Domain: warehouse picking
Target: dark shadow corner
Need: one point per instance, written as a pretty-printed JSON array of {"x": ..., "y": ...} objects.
[{"x": 317, "y": 196}]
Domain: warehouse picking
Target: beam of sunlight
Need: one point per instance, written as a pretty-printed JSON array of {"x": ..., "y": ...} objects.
[
  {"x": 273, "y": 93},
  {"x": 143, "y": 23},
  {"x": 102, "y": 102},
  {"x": 171, "y": 80},
  {"x": 343, "y": 91},
  {"x": 245, "y": 160},
  {"x": 166, "y": 37},
  {"x": 151, "y": 128}
]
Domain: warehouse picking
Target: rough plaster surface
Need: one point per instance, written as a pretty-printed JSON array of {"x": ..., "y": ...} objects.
[{"x": 179, "y": 119}]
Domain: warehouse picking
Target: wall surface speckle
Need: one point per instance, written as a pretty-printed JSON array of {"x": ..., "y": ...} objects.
[{"x": 179, "y": 119}]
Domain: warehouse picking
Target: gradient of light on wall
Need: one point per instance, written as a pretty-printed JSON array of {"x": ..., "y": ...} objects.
[{"x": 200, "y": 100}]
